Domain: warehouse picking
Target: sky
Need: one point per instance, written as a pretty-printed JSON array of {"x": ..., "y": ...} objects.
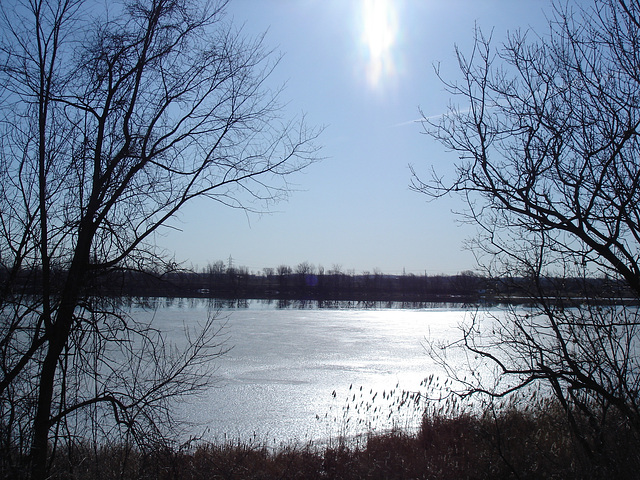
[{"x": 362, "y": 69}]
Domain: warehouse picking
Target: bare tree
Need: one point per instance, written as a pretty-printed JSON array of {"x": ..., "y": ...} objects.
[
  {"x": 547, "y": 135},
  {"x": 110, "y": 123},
  {"x": 305, "y": 268}
]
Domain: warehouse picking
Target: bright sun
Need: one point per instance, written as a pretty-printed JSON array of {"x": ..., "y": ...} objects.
[{"x": 379, "y": 32}]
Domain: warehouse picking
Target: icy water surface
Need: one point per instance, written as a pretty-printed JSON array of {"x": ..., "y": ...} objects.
[{"x": 299, "y": 375}]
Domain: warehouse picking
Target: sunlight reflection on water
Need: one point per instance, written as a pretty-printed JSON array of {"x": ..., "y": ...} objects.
[{"x": 310, "y": 375}]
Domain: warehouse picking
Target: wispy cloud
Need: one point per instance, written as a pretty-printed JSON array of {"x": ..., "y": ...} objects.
[
  {"x": 409, "y": 122},
  {"x": 433, "y": 117}
]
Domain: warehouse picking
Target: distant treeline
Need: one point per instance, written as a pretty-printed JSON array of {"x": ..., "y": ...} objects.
[
  {"x": 308, "y": 283},
  {"x": 286, "y": 283}
]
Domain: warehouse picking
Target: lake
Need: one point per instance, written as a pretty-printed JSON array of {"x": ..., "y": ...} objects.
[{"x": 309, "y": 374}]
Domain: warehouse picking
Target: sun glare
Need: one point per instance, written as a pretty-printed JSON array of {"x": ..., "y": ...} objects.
[{"x": 379, "y": 32}]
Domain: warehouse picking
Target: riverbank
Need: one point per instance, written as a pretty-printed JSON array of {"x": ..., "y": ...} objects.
[{"x": 506, "y": 443}]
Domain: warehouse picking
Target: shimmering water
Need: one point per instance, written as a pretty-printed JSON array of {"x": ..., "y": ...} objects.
[{"x": 298, "y": 375}]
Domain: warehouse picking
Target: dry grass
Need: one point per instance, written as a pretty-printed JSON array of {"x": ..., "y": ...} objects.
[{"x": 507, "y": 442}]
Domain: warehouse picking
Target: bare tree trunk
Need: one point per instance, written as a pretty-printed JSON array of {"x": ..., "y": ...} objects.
[
  {"x": 58, "y": 334},
  {"x": 41, "y": 422}
]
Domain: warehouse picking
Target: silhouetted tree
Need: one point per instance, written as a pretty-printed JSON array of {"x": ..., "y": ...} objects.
[
  {"x": 284, "y": 272},
  {"x": 304, "y": 271},
  {"x": 112, "y": 121},
  {"x": 305, "y": 268},
  {"x": 268, "y": 272},
  {"x": 547, "y": 133}
]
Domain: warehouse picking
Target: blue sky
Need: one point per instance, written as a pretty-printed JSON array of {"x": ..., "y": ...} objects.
[{"x": 361, "y": 68}]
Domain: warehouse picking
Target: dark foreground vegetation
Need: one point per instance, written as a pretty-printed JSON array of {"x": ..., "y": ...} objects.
[{"x": 532, "y": 442}]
